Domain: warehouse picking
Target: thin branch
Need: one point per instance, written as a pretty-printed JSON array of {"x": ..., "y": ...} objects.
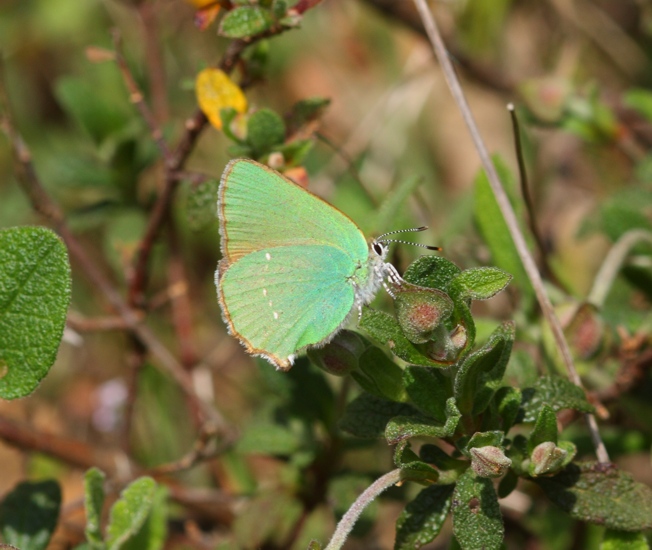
[
  {"x": 347, "y": 522},
  {"x": 612, "y": 264},
  {"x": 525, "y": 189},
  {"x": 68, "y": 450},
  {"x": 78, "y": 322},
  {"x": 202, "y": 450},
  {"x": 507, "y": 212}
]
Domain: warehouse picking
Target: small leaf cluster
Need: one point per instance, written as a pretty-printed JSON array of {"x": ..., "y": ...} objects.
[
  {"x": 247, "y": 18},
  {"x": 136, "y": 520},
  {"x": 267, "y": 136},
  {"x": 454, "y": 393}
]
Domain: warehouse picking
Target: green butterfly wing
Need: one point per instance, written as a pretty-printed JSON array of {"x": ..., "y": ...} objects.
[
  {"x": 288, "y": 256},
  {"x": 281, "y": 300},
  {"x": 259, "y": 209}
]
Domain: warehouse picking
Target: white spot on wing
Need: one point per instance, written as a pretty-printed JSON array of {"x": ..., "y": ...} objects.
[
  {"x": 264, "y": 292},
  {"x": 268, "y": 256},
  {"x": 275, "y": 315}
]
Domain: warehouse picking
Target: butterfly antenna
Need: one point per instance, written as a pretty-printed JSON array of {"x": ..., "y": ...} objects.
[{"x": 381, "y": 239}]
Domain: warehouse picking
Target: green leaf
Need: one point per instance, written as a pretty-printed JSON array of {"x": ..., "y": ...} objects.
[
  {"x": 383, "y": 327},
  {"x": 153, "y": 533},
  {"x": 265, "y": 129},
  {"x": 482, "y": 372},
  {"x": 129, "y": 513},
  {"x": 29, "y": 514},
  {"x": 404, "y": 427},
  {"x": 200, "y": 204},
  {"x": 480, "y": 283},
  {"x": 380, "y": 376},
  {"x": 545, "y": 428},
  {"x": 295, "y": 151},
  {"x": 93, "y": 501},
  {"x": 432, "y": 272},
  {"x": 434, "y": 455},
  {"x": 558, "y": 393},
  {"x": 622, "y": 540},
  {"x": 413, "y": 469},
  {"x": 518, "y": 453},
  {"x": 428, "y": 389},
  {"x": 367, "y": 415},
  {"x": 477, "y": 522},
  {"x": 305, "y": 111},
  {"x": 267, "y": 438},
  {"x": 245, "y": 21},
  {"x": 34, "y": 298},
  {"x": 493, "y": 227},
  {"x": 601, "y": 494},
  {"x": 423, "y": 517},
  {"x": 507, "y": 402},
  {"x": 227, "y": 116}
]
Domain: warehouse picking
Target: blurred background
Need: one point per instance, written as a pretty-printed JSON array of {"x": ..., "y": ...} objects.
[{"x": 579, "y": 75}]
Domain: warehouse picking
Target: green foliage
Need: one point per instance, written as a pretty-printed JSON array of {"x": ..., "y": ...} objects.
[
  {"x": 601, "y": 494},
  {"x": 244, "y": 21},
  {"x": 93, "y": 501},
  {"x": 555, "y": 392},
  {"x": 423, "y": 517},
  {"x": 29, "y": 514},
  {"x": 622, "y": 540},
  {"x": 493, "y": 228},
  {"x": 200, "y": 204},
  {"x": 34, "y": 297},
  {"x": 130, "y": 512},
  {"x": 477, "y": 521}
]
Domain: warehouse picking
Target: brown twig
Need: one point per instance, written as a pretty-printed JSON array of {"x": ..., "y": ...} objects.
[
  {"x": 201, "y": 451},
  {"x": 508, "y": 213},
  {"x": 80, "y": 323},
  {"x": 69, "y": 450},
  {"x": 527, "y": 196}
]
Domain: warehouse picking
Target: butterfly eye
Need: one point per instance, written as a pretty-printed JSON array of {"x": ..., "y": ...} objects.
[{"x": 378, "y": 248}]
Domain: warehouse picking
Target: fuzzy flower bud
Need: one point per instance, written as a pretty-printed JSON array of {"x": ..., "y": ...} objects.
[{"x": 489, "y": 461}]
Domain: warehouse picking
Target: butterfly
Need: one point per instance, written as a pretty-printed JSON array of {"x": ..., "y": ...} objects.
[{"x": 293, "y": 268}]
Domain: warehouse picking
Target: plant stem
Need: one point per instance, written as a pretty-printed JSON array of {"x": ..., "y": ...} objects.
[
  {"x": 612, "y": 263},
  {"x": 507, "y": 212},
  {"x": 347, "y": 522}
]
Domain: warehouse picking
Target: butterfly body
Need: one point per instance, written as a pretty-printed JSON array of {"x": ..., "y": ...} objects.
[{"x": 293, "y": 267}]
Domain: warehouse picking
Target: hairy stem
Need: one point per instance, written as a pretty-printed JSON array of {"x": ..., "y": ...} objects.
[{"x": 347, "y": 522}]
